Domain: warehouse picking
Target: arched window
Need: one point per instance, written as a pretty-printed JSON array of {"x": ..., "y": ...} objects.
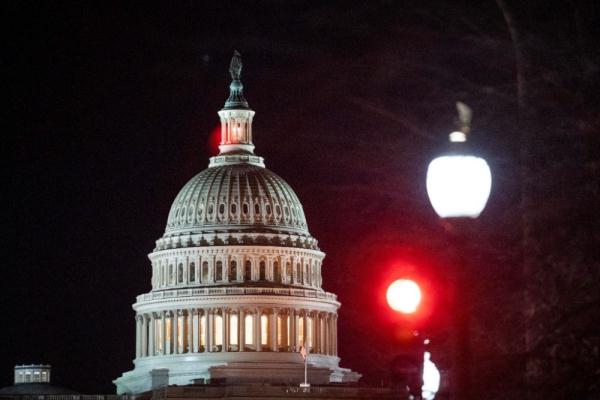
[
  {"x": 205, "y": 271},
  {"x": 249, "y": 329},
  {"x": 163, "y": 273},
  {"x": 192, "y": 272},
  {"x": 309, "y": 274},
  {"x": 245, "y": 208},
  {"x": 276, "y": 272},
  {"x": 180, "y": 273},
  {"x": 256, "y": 209},
  {"x": 288, "y": 271},
  {"x": 233, "y": 271},
  {"x": 219, "y": 272},
  {"x": 262, "y": 271},
  {"x": 171, "y": 275},
  {"x": 248, "y": 271},
  {"x": 299, "y": 273}
]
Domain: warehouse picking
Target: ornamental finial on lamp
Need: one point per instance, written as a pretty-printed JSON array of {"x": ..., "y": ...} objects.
[{"x": 463, "y": 122}]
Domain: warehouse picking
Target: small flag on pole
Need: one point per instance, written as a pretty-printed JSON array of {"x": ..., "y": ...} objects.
[{"x": 303, "y": 352}]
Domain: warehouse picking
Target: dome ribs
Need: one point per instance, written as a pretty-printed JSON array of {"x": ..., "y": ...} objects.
[{"x": 224, "y": 190}]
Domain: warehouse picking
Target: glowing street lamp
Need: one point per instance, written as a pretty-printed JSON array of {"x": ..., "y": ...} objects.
[{"x": 458, "y": 185}]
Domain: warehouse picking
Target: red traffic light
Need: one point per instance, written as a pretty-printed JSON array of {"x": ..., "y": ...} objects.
[{"x": 404, "y": 295}]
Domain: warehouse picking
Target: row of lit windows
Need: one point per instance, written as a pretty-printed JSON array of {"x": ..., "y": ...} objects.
[
  {"x": 167, "y": 275},
  {"x": 164, "y": 344},
  {"x": 32, "y": 376}
]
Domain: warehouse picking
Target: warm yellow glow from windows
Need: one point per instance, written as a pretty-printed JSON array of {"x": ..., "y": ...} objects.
[
  {"x": 249, "y": 329},
  {"x": 279, "y": 330},
  {"x": 301, "y": 331},
  {"x": 203, "y": 330},
  {"x": 233, "y": 330},
  {"x": 169, "y": 330},
  {"x": 264, "y": 330},
  {"x": 309, "y": 332},
  {"x": 218, "y": 330},
  {"x": 180, "y": 331},
  {"x": 159, "y": 336}
]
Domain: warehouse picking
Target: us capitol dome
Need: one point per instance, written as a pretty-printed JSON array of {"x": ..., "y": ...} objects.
[{"x": 236, "y": 278}]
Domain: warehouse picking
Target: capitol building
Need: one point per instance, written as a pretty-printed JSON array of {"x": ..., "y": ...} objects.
[{"x": 236, "y": 278}]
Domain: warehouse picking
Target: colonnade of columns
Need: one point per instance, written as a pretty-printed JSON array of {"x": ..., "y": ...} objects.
[{"x": 226, "y": 329}]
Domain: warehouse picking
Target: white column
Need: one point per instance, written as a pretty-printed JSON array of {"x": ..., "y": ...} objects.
[
  {"x": 210, "y": 327},
  {"x": 164, "y": 332},
  {"x": 242, "y": 329},
  {"x": 144, "y": 335},
  {"x": 258, "y": 329},
  {"x": 305, "y": 329},
  {"x": 273, "y": 335},
  {"x": 293, "y": 329},
  {"x": 285, "y": 317},
  {"x": 315, "y": 331},
  {"x": 196, "y": 331},
  {"x": 190, "y": 331},
  {"x": 329, "y": 334},
  {"x": 151, "y": 335},
  {"x": 225, "y": 329},
  {"x": 175, "y": 325},
  {"x": 335, "y": 349},
  {"x": 138, "y": 336}
]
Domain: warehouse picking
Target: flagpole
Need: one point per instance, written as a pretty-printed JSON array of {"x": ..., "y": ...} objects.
[
  {"x": 304, "y": 354},
  {"x": 306, "y": 368}
]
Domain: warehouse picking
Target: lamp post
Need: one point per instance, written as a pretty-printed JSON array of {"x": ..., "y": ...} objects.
[{"x": 458, "y": 185}]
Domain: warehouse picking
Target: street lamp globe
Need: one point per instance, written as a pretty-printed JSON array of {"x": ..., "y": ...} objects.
[{"x": 458, "y": 184}]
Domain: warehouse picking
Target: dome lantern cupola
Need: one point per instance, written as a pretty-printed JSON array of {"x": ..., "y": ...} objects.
[{"x": 236, "y": 116}]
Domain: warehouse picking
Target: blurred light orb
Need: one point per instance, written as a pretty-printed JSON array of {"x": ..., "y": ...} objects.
[
  {"x": 431, "y": 378},
  {"x": 404, "y": 295},
  {"x": 458, "y": 185}
]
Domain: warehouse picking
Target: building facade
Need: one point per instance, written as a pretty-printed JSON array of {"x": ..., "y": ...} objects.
[{"x": 236, "y": 277}]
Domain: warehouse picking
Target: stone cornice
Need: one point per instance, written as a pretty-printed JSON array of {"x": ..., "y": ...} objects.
[{"x": 237, "y": 250}]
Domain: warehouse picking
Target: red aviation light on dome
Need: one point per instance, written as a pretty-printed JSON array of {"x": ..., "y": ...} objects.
[{"x": 214, "y": 138}]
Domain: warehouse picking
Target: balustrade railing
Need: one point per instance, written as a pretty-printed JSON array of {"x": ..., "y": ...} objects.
[{"x": 175, "y": 293}]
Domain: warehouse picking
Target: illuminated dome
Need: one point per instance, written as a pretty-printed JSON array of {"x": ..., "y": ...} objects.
[
  {"x": 236, "y": 285},
  {"x": 236, "y": 198}
]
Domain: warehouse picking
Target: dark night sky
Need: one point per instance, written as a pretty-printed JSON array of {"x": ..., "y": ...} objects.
[{"x": 110, "y": 111}]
